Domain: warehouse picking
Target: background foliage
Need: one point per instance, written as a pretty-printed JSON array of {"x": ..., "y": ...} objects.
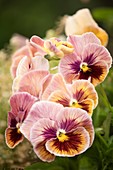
[{"x": 36, "y": 17}]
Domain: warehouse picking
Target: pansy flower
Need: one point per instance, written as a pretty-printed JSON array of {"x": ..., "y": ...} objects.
[
  {"x": 69, "y": 134},
  {"x": 41, "y": 109},
  {"x": 20, "y": 106},
  {"x": 79, "y": 94},
  {"x": 81, "y": 22},
  {"x": 90, "y": 60},
  {"x": 52, "y": 46}
]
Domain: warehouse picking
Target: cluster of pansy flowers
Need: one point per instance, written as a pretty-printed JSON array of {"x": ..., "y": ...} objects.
[{"x": 54, "y": 111}]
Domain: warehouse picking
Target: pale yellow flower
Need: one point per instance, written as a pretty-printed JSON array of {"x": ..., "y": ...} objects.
[{"x": 81, "y": 22}]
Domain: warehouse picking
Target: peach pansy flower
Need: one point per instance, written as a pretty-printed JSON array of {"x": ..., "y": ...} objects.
[{"x": 81, "y": 22}]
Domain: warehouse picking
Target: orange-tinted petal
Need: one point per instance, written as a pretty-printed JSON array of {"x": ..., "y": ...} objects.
[
  {"x": 87, "y": 105},
  {"x": 78, "y": 142},
  {"x": 83, "y": 89},
  {"x": 43, "y": 154},
  {"x": 60, "y": 97},
  {"x": 13, "y": 137}
]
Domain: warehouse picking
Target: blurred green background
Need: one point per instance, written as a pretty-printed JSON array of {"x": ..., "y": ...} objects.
[{"x": 29, "y": 17}]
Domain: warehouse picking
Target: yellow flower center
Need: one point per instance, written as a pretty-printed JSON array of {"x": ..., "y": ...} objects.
[
  {"x": 74, "y": 103},
  {"x": 84, "y": 67},
  {"x": 18, "y": 127},
  {"x": 61, "y": 135}
]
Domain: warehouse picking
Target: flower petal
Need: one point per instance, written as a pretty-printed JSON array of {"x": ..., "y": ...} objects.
[
  {"x": 41, "y": 131},
  {"x": 57, "y": 83},
  {"x": 83, "y": 89},
  {"x": 80, "y": 41},
  {"x": 38, "y": 43},
  {"x": 77, "y": 143},
  {"x": 87, "y": 105},
  {"x": 40, "y": 63},
  {"x": 13, "y": 138},
  {"x": 71, "y": 118},
  {"x": 93, "y": 53},
  {"x": 43, "y": 154},
  {"x": 69, "y": 67},
  {"x": 60, "y": 97},
  {"x": 21, "y": 103},
  {"x": 23, "y": 66},
  {"x": 81, "y": 22},
  {"x": 12, "y": 120},
  {"x": 31, "y": 82}
]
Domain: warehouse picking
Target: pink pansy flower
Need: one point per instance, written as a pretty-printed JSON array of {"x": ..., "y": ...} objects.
[
  {"x": 32, "y": 82},
  {"x": 41, "y": 109},
  {"x": 79, "y": 94},
  {"x": 90, "y": 60},
  {"x": 52, "y": 46},
  {"x": 20, "y": 106},
  {"x": 70, "y": 134}
]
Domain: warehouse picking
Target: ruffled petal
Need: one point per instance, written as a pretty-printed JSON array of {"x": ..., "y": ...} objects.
[
  {"x": 80, "y": 41},
  {"x": 78, "y": 142},
  {"x": 93, "y": 53},
  {"x": 13, "y": 137},
  {"x": 60, "y": 97},
  {"x": 38, "y": 43},
  {"x": 57, "y": 83},
  {"x": 42, "y": 153},
  {"x": 69, "y": 67},
  {"x": 83, "y": 89},
  {"x": 31, "y": 82},
  {"x": 21, "y": 103}
]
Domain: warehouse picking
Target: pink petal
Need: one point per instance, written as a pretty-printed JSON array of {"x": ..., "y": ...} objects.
[
  {"x": 80, "y": 41},
  {"x": 40, "y": 63},
  {"x": 66, "y": 68},
  {"x": 38, "y": 43},
  {"x": 57, "y": 83},
  {"x": 23, "y": 66},
  {"x": 31, "y": 82},
  {"x": 14, "y": 65},
  {"x": 94, "y": 53},
  {"x": 42, "y": 130},
  {"x": 21, "y": 102}
]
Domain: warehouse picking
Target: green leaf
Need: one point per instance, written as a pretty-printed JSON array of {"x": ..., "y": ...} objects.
[{"x": 44, "y": 166}]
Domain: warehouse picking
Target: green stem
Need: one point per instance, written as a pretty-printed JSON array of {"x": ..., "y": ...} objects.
[{"x": 102, "y": 139}]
